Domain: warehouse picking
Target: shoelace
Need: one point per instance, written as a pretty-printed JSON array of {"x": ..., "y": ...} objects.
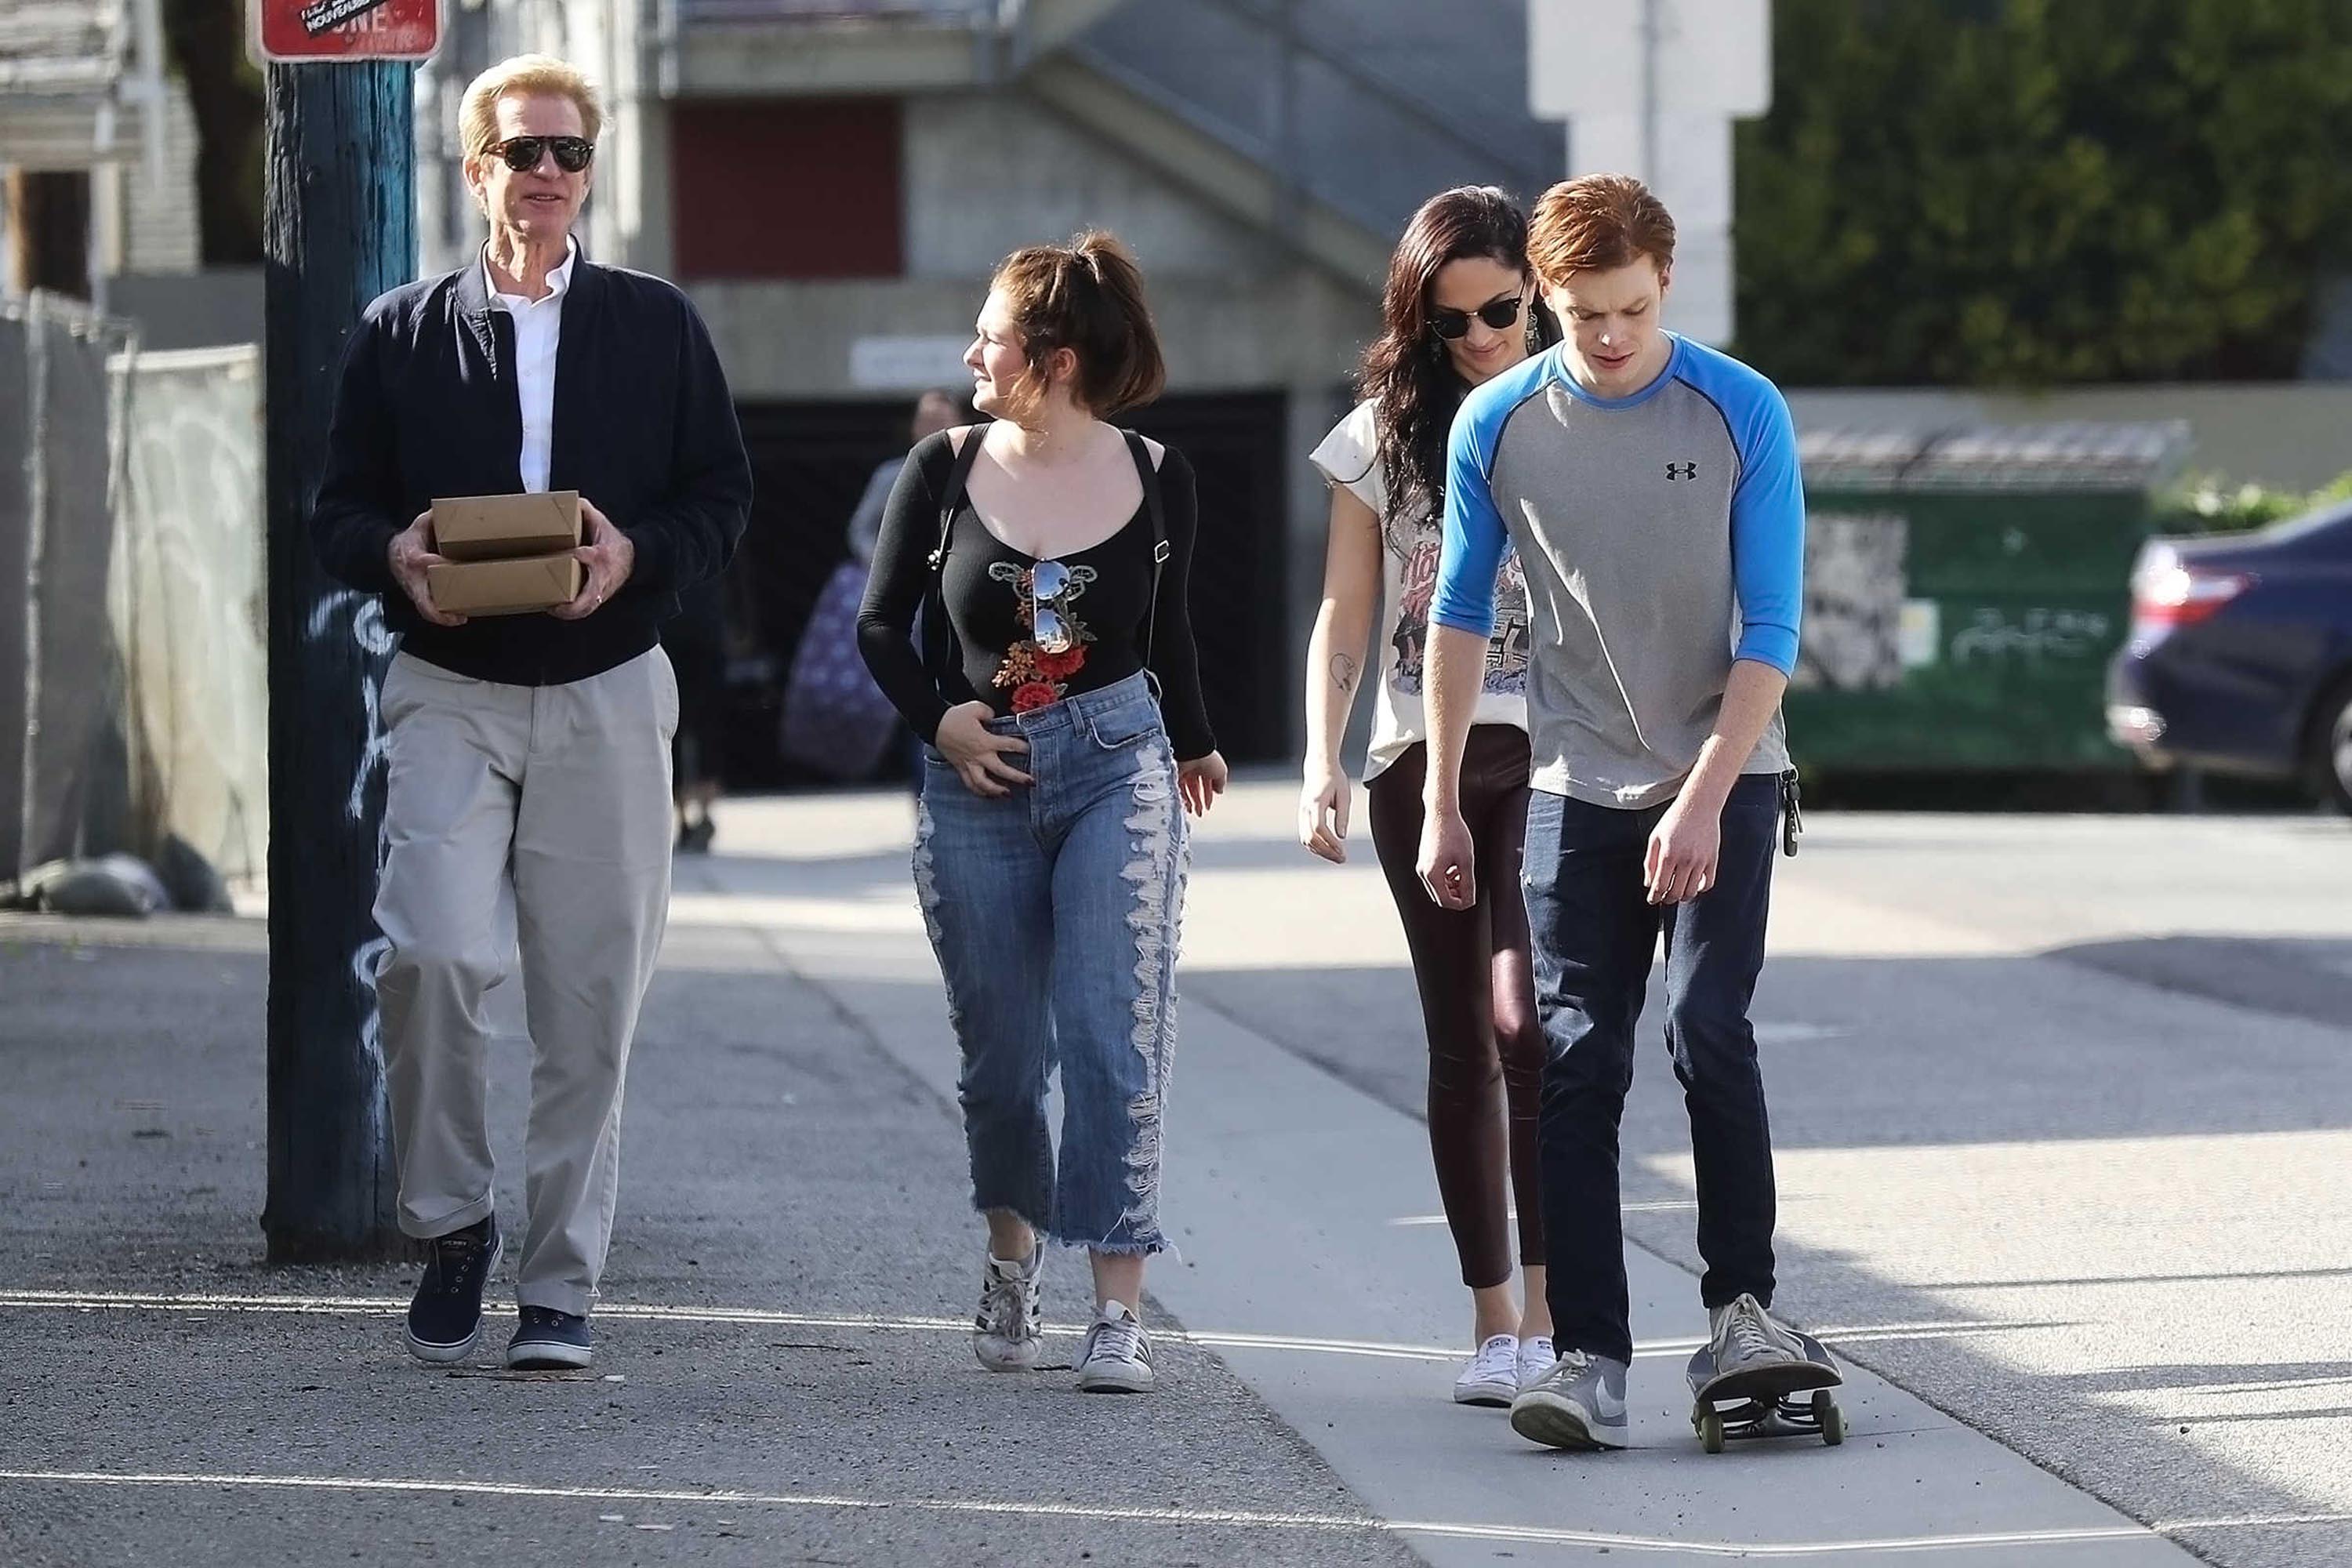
[
  {"x": 1498, "y": 1355},
  {"x": 1570, "y": 1366},
  {"x": 1000, "y": 1308},
  {"x": 1748, "y": 1336},
  {"x": 1118, "y": 1340}
]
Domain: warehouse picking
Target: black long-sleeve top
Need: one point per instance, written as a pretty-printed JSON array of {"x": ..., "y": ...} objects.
[
  {"x": 985, "y": 588},
  {"x": 428, "y": 405}
]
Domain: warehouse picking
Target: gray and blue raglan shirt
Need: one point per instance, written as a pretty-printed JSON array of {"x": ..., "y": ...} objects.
[{"x": 1663, "y": 536}]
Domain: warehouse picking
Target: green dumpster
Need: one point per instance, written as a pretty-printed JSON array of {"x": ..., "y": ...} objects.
[{"x": 1964, "y": 591}]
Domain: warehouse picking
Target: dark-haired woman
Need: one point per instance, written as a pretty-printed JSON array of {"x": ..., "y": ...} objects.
[
  {"x": 1062, "y": 707},
  {"x": 1459, "y": 307}
]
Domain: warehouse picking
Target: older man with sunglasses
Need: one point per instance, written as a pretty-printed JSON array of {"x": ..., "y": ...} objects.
[{"x": 530, "y": 754}]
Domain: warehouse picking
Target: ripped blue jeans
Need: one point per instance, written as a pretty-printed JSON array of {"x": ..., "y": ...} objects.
[{"x": 1054, "y": 912}]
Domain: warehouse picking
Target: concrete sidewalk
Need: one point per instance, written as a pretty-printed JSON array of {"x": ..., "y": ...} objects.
[{"x": 785, "y": 1374}]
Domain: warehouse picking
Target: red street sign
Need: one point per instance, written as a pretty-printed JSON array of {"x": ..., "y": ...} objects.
[{"x": 298, "y": 31}]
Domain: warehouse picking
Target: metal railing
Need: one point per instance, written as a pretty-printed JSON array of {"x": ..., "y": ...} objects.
[{"x": 1292, "y": 88}]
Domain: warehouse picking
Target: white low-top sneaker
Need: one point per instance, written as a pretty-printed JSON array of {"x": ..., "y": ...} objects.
[
  {"x": 1535, "y": 1356},
  {"x": 1117, "y": 1355},
  {"x": 1491, "y": 1376},
  {"x": 1009, "y": 1330}
]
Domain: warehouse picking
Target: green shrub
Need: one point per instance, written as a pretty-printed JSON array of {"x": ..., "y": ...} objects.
[{"x": 2207, "y": 503}]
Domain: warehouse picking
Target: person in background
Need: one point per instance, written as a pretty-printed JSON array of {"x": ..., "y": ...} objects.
[
  {"x": 936, "y": 410},
  {"x": 1458, "y": 311},
  {"x": 696, "y": 641},
  {"x": 1061, "y": 701},
  {"x": 529, "y": 754}
]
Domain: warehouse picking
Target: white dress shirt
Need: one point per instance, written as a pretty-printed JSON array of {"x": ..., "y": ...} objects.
[{"x": 538, "y": 326}]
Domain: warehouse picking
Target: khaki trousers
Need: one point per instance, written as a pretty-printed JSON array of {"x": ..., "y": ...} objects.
[{"x": 561, "y": 793}]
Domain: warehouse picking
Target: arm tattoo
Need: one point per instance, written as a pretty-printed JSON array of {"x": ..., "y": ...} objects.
[{"x": 1343, "y": 672}]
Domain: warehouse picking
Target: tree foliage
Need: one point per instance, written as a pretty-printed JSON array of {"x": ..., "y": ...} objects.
[{"x": 2033, "y": 192}]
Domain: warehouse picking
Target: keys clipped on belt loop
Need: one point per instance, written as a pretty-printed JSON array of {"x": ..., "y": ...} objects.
[{"x": 1793, "y": 816}]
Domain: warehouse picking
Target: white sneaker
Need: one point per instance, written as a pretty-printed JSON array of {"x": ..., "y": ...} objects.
[
  {"x": 1742, "y": 1336},
  {"x": 1117, "y": 1355},
  {"x": 1491, "y": 1376},
  {"x": 1009, "y": 1331},
  {"x": 1535, "y": 1356}
]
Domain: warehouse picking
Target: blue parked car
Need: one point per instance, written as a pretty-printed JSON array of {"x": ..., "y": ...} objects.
[{"x": 2240, "y": 659}]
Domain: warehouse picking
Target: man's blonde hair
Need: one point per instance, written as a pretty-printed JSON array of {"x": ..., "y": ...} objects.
[{"x": 478, "y": 116}]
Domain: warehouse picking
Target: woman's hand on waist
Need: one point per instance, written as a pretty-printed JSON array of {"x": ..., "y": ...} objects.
[{"x": 978, "y": 753}]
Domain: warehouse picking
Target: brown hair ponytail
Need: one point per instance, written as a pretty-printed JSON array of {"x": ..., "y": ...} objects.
[{"x": 1087, "y": 297}]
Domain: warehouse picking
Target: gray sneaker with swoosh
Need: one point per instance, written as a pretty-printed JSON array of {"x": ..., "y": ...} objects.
[{"x": 1578, "y": 1404}]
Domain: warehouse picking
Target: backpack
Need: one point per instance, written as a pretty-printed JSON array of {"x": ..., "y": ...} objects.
[{"x": 836, "y": 722}]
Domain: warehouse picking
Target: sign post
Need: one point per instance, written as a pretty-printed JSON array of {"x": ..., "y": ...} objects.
[{"x": 340, "y": 226}]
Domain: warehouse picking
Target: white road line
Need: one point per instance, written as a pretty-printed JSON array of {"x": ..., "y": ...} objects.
[
  {"x": 1322, "y": 1523},
  {"x": 1213, "y": 1339}
]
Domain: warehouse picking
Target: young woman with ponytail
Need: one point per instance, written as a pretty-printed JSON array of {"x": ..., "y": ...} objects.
[
  {"x": 1458, "y": 308},
  {"x": 1048, "y": 552}
]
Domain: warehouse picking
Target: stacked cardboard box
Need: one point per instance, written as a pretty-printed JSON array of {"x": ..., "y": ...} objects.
[{"x": 507, "y": 555}]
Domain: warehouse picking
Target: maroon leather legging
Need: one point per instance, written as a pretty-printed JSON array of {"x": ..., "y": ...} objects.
[{"x": 1477, "y": 999}]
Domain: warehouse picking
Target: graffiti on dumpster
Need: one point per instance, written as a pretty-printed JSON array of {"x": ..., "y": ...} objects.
[
  {"x": 2035, "y": 635},
  {"x": 1854, "y": 601}
]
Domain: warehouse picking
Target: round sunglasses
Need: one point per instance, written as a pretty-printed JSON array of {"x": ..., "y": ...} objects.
[
  {"x": 521, "y": 153},
  {"x": 1453, "y": 324}
]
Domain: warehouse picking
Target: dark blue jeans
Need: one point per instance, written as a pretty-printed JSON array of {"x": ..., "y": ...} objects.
[{"x": 1595, "y": 936}]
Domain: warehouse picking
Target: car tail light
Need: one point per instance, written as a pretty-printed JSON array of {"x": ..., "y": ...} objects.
[{"x": 2170, "y": 592}]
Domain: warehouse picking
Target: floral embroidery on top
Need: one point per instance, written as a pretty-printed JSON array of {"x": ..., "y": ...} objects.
[{"x": 1036, "y": 674}]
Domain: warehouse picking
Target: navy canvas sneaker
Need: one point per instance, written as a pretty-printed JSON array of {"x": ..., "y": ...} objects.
[
  {"x": 445, "y": 1318},
  {"x": 550, "y": 1340}
]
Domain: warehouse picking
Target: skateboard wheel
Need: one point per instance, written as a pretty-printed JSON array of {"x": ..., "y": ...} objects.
[
  {"x": 1832, "y": 1419},
  {"x": 1710, "y": 1432}
]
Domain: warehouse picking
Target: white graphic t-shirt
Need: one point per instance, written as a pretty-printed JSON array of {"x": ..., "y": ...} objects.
[{"x": 1350, "y": 458}]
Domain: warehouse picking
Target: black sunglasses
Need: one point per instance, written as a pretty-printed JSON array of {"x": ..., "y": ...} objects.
[
  {"x": 1452, "y": 324},
  {"x": 522, "y": 153}
]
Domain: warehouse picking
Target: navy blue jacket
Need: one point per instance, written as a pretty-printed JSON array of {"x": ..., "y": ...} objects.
[{"x": 644, "y": 429}]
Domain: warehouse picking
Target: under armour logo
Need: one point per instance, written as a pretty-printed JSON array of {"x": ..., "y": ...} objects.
[{"x": 1682, "y": 470}]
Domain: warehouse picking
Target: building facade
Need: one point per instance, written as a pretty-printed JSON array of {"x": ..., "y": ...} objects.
[{"x": 833, "y": 180}]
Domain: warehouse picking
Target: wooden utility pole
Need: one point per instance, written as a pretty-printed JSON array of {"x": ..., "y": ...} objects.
[{"x": 340, "y": 225}]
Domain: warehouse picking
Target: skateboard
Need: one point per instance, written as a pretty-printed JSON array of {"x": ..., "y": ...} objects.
[{"x": 1787, "y": 1399}]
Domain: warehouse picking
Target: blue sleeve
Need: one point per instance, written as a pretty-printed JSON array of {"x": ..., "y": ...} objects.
[
  {"x": 1474, "y": 535},
  {"x": 1767, "y": 528}
]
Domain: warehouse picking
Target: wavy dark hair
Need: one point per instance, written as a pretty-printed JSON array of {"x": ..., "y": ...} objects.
[{"x": 1407, "y": 373}]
